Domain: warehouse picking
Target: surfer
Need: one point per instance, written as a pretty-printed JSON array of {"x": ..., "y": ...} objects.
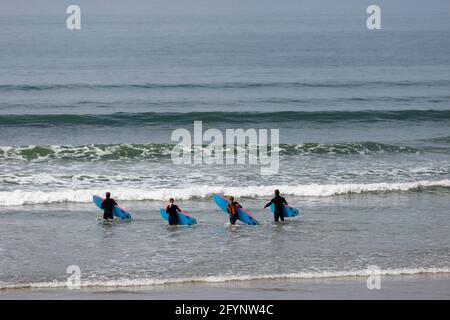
[
  {"x": 108, "y": 207},
  {"x": 172, "y": 210},
  {"x": 232, "y": 209},
  {"x": 279, "y": 203}
]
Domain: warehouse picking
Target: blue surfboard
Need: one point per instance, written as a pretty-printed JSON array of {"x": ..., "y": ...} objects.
[
  {"x": 117, "y": 211},
  {"x": 288, "y": 211},
  {"x": 243, "y": 215},
  {"x": 183, "y": 218}
]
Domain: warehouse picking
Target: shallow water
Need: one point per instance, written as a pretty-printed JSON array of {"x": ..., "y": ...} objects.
[{"x": 336, "y": 236}]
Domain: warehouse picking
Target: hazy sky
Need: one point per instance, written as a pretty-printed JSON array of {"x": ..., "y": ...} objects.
[{"x": 395, "y": 7}]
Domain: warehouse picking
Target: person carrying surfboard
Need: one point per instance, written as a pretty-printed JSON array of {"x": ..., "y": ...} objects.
[
  {"x": 108, "y": 207},
  {"x": 172, "y": 210},
  {"x": 232, "y": 209},
  {"x": 279, "y": 203}
]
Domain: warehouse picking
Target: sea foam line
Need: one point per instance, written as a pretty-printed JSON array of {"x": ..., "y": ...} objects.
[
  {"x": 146, "y": 282},
  {"x": 21, "y": 197}
]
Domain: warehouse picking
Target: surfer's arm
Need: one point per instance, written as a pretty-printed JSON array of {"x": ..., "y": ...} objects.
[
  {"x": 238, "y": 204},
  {"x": 271, "y": 201},
  {"x": 284, "y": 201},
  {"x": 103, "y": 205},
  {"x": 178, "y": 208}
]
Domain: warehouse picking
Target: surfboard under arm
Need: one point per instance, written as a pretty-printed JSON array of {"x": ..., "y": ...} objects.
[
  {"x": 288, "y": 211},
  {"x": 243, "y": 215},
  {"x": 117, "y": 211},
  {"x": 183, "y": 218}
]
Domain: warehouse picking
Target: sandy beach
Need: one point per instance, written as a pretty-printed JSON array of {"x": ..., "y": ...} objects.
[{"x": 392, "y": 287}]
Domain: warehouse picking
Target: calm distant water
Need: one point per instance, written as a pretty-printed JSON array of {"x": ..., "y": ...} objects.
[{"x": 364, "y": 121}]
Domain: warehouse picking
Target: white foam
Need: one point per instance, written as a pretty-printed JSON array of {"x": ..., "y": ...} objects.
[
  {"x": 87, "y": 152},
  {"x": 145, "y": 282},
  {"x": 23, "y": 197}
]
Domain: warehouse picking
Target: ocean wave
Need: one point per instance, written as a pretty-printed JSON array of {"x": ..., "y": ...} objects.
[
  {"x": 445, "y": 139},
  {"x": 147, "y": 282},
  {"x": 176, "y": 119},
  {"x": 105, "y": 152},
  {"x": 22, "y": 197},
  {"x": 354, "y": 148},
  {"x": 87, "y": 152},
  {"x": 224, "y": 85}
]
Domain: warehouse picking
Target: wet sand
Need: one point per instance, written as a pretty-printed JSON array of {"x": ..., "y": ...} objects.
[{"x": 392, "y": 287}]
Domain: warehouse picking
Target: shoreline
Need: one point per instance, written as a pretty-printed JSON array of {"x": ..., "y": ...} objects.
[{"x": 409, "y": 287}]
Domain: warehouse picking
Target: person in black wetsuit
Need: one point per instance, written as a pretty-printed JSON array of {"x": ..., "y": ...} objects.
[
  {"x": 108, "y": 207},
  {"x": 279, "y": 203},
  {"x": 172, "y": 210},
  {"x": 232, "y": 209}
]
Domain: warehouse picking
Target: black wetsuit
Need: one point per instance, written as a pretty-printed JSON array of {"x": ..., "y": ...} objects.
[
  {"x": 108, "y": 207},
  {"x": 232, "y": 210},
  {"x": 173, "y": 215},
  {"x": 279, "y": 203}
]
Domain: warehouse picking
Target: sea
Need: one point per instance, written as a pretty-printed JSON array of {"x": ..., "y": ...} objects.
[{"x": 364, "y": 146}]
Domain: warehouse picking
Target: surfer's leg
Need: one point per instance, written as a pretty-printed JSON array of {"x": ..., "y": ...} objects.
[
  {"x": 276, "y": 217},
  {"x": 108, "y": 215}
]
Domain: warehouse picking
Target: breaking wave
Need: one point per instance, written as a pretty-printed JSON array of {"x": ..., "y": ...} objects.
[
  {"x": 22, "y": 197},
  {"x": 91, "y": 152}
]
